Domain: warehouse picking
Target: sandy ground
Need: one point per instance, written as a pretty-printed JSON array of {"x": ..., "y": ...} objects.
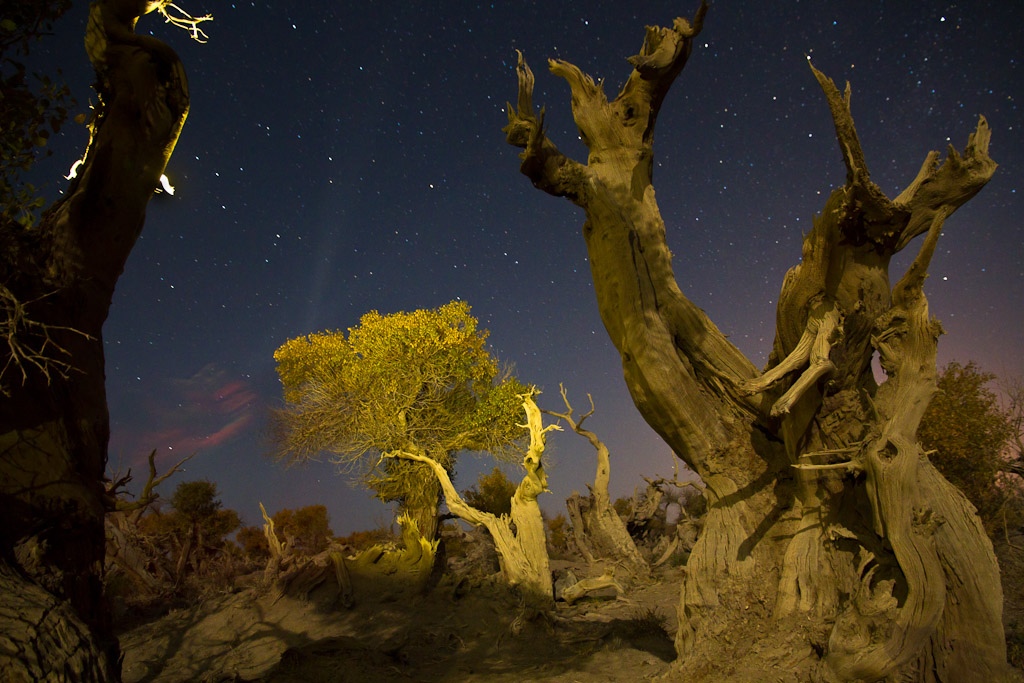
[
  {"x": 466, "y": 630},
  {"x": 455, "y": 633}
]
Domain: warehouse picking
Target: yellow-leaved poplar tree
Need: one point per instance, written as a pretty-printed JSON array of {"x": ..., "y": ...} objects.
[{"x": 422, "y": 382}]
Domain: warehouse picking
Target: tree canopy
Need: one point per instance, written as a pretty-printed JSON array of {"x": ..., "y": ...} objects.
[
  {"x": 196, "y": 506},
  {"x": 968, "y": 432},
  {"x": 308, "y": 529},
  {"x": 196, "y": 500},
  {"x": 422, "y": 382}
]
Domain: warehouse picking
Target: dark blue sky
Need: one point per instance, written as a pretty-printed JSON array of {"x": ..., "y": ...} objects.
[{"x": 353, "y": 159}]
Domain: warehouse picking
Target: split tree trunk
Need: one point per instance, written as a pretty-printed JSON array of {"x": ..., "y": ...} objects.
[
  {"x": 832, "y": 548},
  {"x": 519, "y": 538},
  {"x": 56, "y": 282}
]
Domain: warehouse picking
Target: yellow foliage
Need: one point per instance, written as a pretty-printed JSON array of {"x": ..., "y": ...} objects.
[
  {"x": 439, "y": 345},
  {"x": 422, "y": 381}
]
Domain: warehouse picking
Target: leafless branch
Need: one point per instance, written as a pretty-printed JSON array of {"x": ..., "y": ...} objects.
[
  {"x": 148, "y": 496},
  {"x": 183, "y": 19},
  {"x": 17, "y": 329},
  {"x": 567, "y": 416}
]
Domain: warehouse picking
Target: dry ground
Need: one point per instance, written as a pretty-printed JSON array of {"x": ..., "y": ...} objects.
[
  {"x": 465, "y": 633},
  {"x": 466, "y": 630}
]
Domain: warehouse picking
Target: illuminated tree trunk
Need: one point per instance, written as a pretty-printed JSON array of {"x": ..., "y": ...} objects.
[
  {"x": 56, "y": 284},
  {"x": 832, "y": 548},
  {"x": 414, "y": 487},
  {"x": 423, "y": 507},
  {"x": 381, "y": 569},
  {"x": 519, "y": 538}
]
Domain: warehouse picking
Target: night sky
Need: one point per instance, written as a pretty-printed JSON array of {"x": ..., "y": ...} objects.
[{"x": 352, "y": 159}]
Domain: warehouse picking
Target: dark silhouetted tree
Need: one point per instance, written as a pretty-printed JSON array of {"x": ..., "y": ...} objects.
[
  {"x": 307, "y": 529},
  {"x": 34, "y": 106},
  {"x": 253, "y": 543},
  {"x": 201, "y": 522},
  {"x": 57, "y": 280}
]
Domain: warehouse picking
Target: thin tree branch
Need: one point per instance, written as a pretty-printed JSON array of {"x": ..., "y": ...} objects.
[
  {"x": 546, "y": 167},
  {"x": 148, "y": 495}
]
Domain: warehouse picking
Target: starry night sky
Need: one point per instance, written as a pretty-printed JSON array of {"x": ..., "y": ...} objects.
[{"x": 353, "y": 159}]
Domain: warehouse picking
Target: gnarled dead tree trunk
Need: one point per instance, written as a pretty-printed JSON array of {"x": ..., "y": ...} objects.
[
  {"x": 832, "y": 548},
  {"x": 599, "y": 531},
  {"x": 403, "y": 569},
  {"x": 56, "y": 284},
  {"x": 519, "y": 537}
]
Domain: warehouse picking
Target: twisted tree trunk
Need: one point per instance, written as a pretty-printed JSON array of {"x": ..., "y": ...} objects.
[
  {"x": 56, "y": 284},
  {"x": 832, "y": 548},
  {"x": 519, "y": 538},
  {"x": 599, "y": 531}
]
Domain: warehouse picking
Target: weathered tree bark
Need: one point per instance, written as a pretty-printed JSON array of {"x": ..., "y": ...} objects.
[
  {"x": 56, "y": 284},
  {"x": 832, "y": 548},
  {"x": 126, "y": 549},
  {"x": 519, "y": 538},
  {"x": 43, "y": 639},
  {"x": 277, "y": 547},
  {"x": 127, "y": 553},
  {"x": 647, "y": 518},
  {"x": 599, "y": 531},
  {"x": 413, "y": 486},
  {"x": 591, "y": 585},
  {"x": 406, "y": 569}
]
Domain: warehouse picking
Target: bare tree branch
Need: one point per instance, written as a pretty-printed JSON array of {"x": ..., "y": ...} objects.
[{"x": 148, "y": 495}]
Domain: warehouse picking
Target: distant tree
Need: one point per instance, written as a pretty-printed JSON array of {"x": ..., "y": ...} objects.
[
  {"x": 196, "y": 500},
  {"x": 189, "y": 538},
  {"x": 1013, "y": 389},
  {"x": 558, "y": 536},
  {"x": 422, "y": 382},
  {"x": 200, "y": 520},
  {"x": 307, "y": 529},
  {"x": 253, "y": 542},
  {"x": 491, "y": 493},
  {"x": 969, "y": 432}
]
